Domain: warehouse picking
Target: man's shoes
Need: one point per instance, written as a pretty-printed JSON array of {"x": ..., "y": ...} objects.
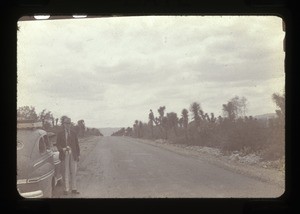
[
  {"x": 66, "y": 192},
  {"x": 75, "y": 192}
]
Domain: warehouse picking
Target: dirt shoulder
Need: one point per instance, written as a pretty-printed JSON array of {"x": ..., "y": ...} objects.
[
  {"x": 256, "y": 169},
  {"x": 86, "y": 145}
]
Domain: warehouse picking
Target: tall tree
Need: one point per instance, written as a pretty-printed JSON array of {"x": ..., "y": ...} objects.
[
  {"x": 140, "y": 129},
  {"x": 165, "y": 126},
  {"x": 151, "y": 116},
  {"x": 172, "y": 121},
  {"x": 185, "y": 117},
  {"x": 280, "y": 102},
  {"x": 136, "y": 128},
  {"x": 202, "y": 115},
  {"x": 151, "y": 121},
  {"x": 277, "y": 130},
  {"x": 235, "y": 107},
  {"x": 160, "y": 121},
  {"x": 185, "y": 121},
  {"x": 195, "y": 109},
  {"x": 240, "y": 105},
  {"x": 161, "y": 111},
  {"x": 27, "y": 113},
  {"x": 46, "y": 117},
  {"x": 229, "y": 111},
  {"x": 212, "y": 118}
]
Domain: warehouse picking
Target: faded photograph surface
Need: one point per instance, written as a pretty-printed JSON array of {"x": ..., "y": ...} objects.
[{"x": 151, "y": 107}]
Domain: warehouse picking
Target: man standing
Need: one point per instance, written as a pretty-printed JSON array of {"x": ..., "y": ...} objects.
[{"x": 69, "y": 152}]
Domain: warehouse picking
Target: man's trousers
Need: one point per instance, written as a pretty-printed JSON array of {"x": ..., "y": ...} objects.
[{"x": 70, "y": 170}]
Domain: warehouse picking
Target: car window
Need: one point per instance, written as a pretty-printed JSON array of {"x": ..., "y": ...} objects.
[
  {"x": 42, "y": 146},
  {"x": 47, "y": 143}
]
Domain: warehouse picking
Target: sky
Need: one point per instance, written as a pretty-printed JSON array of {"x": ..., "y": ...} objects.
[{"x": 112, "y": 71}]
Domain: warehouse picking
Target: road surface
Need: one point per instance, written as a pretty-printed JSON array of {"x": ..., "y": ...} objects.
[{"x": 121, "y": 167}]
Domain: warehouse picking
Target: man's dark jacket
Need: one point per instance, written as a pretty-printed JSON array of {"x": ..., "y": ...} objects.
[{"x": 61, "y": 143}]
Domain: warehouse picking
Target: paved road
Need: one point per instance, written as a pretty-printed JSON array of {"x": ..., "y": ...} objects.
[{"x": 120, "y": 167}]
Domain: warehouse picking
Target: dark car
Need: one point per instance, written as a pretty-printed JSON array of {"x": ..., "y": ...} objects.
[{"x": 37, "y": 167}]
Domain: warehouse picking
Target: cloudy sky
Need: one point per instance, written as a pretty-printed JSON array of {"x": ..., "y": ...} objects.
[{"x": 112, "y": 71}]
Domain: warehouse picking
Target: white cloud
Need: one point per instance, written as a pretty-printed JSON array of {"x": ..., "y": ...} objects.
[{"x": 111, "y": 71}]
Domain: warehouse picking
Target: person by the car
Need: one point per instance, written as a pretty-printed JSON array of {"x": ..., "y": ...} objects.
[{"x": 69, "y": 152}]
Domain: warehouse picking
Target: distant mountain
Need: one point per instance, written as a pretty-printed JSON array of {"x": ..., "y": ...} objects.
[
  {"x": 108, "y": 130},
  {"x": 265, "y": 116}
]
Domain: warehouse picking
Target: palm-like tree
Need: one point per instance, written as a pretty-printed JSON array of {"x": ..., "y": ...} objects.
[
  {"x": 212, "y": 118},
  {"x": 135, "y": 128},
  {"x": 280, "y": 102},
  {"x": 172, "y": 120},
  {"x": 195, "y": 109},
  {"x": 140, "y": 129},
  {"x": 161, "y": 111},
  {"x": 185, "y": 120},
  {"x": 235, "y": 107},
  {"x": 229, "y": 110},
  {"x": 165, "y": 125},
  {"x": 151, "y": 121},
  {"x": 160, "y": 121}
]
